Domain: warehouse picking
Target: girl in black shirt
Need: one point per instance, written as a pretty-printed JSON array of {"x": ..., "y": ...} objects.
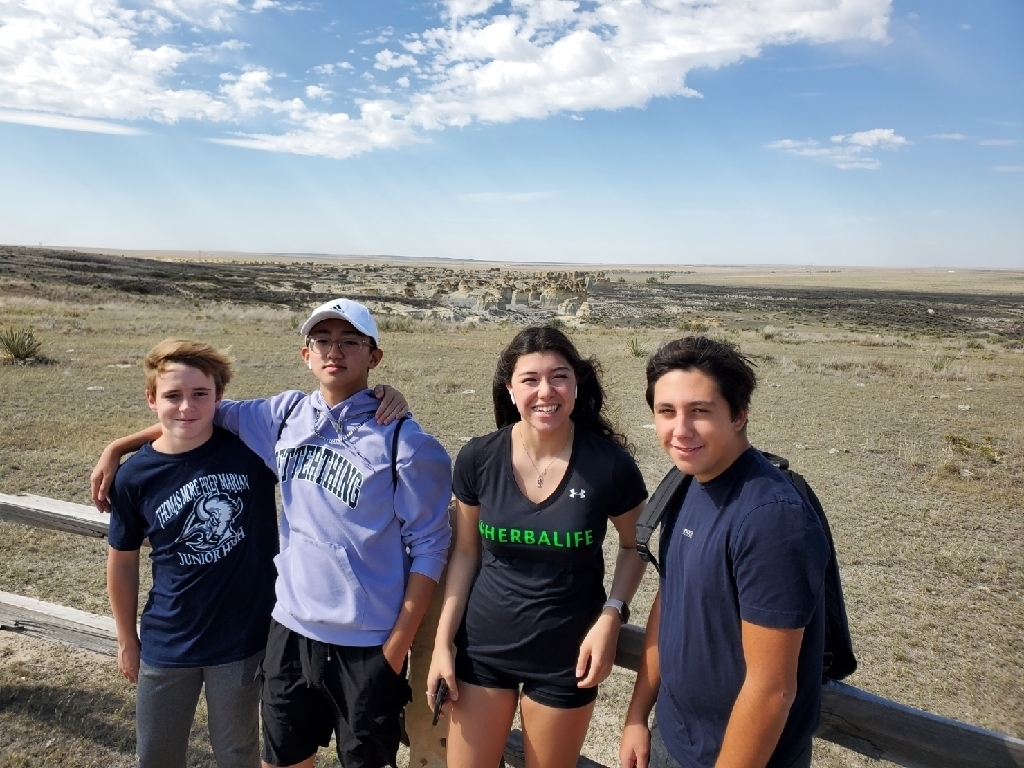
[{"x": 524, "y": 601}]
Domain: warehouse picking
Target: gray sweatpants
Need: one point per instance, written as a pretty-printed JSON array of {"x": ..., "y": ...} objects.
[{"x": 165, "y": 706}]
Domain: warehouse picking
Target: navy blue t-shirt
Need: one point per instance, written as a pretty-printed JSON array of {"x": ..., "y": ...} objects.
[
  {"x": 211, "y": 520},
  {"x": 744, "y": 546}
]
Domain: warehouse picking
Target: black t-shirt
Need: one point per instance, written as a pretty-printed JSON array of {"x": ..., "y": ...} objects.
[
  {"x": 211, "y": 520},
  {"x": 540, "y": 586},
  {"x": 745, "y": 546}
]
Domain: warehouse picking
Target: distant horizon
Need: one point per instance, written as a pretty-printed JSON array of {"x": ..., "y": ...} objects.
[{"x": 184, "y": 254}]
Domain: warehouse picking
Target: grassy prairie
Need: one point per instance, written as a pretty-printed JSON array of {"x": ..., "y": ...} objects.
[{"x": 912, "y": 440}]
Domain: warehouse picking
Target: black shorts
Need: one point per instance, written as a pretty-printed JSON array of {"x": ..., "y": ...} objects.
[
  {"x": 543, "y": 689},
  {"x": 313, "y": 689}
]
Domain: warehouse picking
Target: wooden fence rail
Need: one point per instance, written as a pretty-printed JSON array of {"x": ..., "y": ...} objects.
[{"x": 850, "y": 717}]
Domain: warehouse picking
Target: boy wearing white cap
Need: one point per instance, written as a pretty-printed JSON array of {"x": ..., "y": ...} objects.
[{"x": 364, "y": 538}]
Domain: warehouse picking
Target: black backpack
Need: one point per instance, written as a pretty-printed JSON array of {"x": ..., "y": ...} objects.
[{"x": 839, "y": 660}]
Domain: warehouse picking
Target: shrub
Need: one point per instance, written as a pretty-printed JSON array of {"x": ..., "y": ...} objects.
[
  {"x": 694, "y": 326},
  {"x": 19, "y": 343},
  {"x": 396, "y": 323},
  {"x": 636, "y": 347}
]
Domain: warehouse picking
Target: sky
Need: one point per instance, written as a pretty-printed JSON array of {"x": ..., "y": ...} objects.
[{"x": 807, "y": 132}]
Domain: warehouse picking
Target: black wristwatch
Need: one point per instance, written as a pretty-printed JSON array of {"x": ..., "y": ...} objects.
[{"x": 621, "y": 608}]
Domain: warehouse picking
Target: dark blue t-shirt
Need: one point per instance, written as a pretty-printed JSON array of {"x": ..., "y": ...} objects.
[
  {"x": 211, "y": 520},
  {"x": 744, "y": 546}
]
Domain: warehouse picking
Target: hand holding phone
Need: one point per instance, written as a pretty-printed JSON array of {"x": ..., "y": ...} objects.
[{"x": 440, "y": 697}]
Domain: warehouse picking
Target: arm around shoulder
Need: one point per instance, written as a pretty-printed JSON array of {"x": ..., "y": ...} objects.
[{"x": 102, "y": 476}]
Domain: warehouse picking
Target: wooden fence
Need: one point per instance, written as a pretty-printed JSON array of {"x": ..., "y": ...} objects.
[{"x": 850, "y": 717}]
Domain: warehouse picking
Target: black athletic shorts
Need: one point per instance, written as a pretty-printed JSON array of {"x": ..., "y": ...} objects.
[
  {"x": 543, "y": 689},
  {"x": 313, "y": 689}
]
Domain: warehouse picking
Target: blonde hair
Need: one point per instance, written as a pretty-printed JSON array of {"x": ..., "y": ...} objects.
[{"x": 194, "y": 354}]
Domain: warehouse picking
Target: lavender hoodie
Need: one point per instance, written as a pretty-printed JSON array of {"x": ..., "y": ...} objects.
[{"x": 349, "y": 539}]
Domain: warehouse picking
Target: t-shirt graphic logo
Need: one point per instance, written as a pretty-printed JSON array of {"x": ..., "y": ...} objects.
[
  {"x": 577, "y": 494},
  {"x": 209, "y": 525}
]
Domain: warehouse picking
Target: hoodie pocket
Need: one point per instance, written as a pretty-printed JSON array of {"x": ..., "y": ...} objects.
[{"x": 316, "y": 583}]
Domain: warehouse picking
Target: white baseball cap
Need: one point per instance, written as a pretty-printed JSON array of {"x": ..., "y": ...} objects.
[{"x": 344, "y": 309}]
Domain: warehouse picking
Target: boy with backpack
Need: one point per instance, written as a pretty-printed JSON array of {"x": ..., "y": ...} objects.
[
  {"x": 733, "y": 653},
  {"x": 364, "y": 538}
]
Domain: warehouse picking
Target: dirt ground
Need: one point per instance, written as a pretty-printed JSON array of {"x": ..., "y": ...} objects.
[{"x": 909, "y": 431}]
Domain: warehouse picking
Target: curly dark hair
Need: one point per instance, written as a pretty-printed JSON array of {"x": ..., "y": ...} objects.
[{"x": 590, "y": 394}]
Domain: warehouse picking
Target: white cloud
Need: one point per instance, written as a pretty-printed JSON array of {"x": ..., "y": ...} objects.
[
  {"x": 388, "y": 59},
  {"x": 949, "y": 136},
  {"x": 63, "y": 122},
  {"x": 79, "y": 59},
  {"x": 249, "y": 93},
  {"x": 324, "y": 69},
  {"x": 402, "y": 82},
  {"x": 848, "y": 151},
  {"x": 997, "y": 142},
  {"x": 380, "y": 39},
  {"x": 318, "y": 92},
  {"x": 1009, "y": 168},
  {"x": 965, "y": 26},
  {"x": 335, "y": 135},
  {"x": 877, "y": 137},
  {"x": 527, "y": 59}
]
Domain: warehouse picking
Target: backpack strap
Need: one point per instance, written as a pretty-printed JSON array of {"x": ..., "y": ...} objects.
[
  {"x": 394, "y": 453},
  {"x": 668, "y": 494},
  {"x": 280, "y": 429}
]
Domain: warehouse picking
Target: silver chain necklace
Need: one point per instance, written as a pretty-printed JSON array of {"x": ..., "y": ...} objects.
[
  {"x": 540, "y": 475},
  {"x": 342, "y": 436}
]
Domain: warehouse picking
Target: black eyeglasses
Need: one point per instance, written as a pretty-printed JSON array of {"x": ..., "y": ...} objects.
[{"x": 346, "y": 346}]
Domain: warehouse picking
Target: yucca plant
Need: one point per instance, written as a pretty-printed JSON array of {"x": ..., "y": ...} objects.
[
  {"x": 636, "y": 347},
  {"x": 19, "y": 343}
]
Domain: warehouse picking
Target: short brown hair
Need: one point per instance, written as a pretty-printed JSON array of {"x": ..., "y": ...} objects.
[{"x": 194, "y": 354}]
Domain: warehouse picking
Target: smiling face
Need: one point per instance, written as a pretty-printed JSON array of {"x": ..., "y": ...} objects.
[
  {"x": 184, "y": 401},
  {"x": 341, "y": 371},
  {"x": 694, "y": 424},
  {"x": 544, "y": 386}
]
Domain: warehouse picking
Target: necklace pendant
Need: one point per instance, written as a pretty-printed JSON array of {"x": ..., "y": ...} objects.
[{"x": 540, "y": 481}]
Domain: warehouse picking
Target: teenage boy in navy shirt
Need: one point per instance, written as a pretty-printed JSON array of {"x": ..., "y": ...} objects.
[
  {"x": 733, "y": 650},
  {"x": 206, "y": 504}
]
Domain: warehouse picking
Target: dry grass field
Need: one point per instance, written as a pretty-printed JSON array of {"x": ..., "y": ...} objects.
[{"x": 913, "y": 439}]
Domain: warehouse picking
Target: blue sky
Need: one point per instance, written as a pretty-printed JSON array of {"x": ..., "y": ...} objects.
[{"x": 853, "y": 132}]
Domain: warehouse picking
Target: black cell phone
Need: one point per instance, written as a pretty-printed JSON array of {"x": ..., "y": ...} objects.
[{"x": 440, "y": 697}]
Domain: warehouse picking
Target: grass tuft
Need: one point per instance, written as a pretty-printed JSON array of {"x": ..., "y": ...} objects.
[
  {"x": 636, "y": 348},
  {"x": 21, "y": 344}
]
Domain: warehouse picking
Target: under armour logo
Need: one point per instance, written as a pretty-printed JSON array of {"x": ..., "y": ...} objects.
[
  {"x": 573, "y": 493},
  {"x": 687, "y": 533}
]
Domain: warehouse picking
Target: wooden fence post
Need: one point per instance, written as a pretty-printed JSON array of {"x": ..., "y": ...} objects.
[{"x": 426, "y": 742}]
